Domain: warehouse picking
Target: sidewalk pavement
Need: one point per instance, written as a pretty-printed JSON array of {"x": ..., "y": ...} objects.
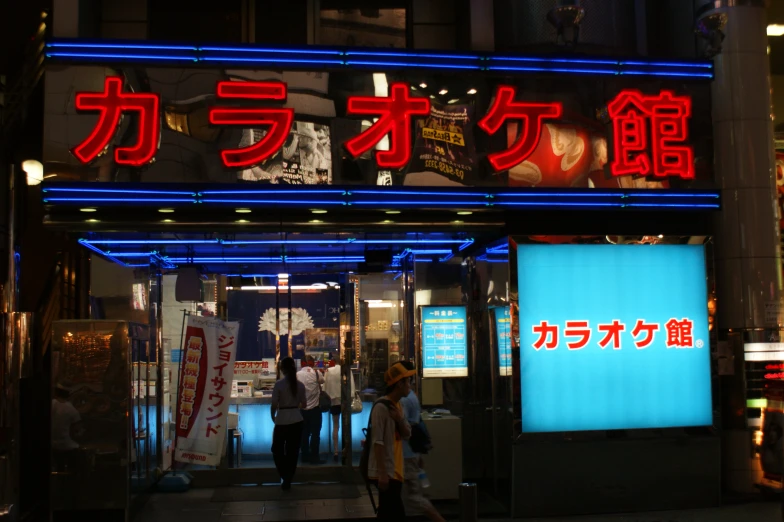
[{"x": 755, "y": 512}]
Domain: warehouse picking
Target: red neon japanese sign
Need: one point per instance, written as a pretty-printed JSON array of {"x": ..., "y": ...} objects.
[
  {"x": 650, "y": 132},
  {"x": 394, "y": 114},
  {"x": 111, "y": 104}
]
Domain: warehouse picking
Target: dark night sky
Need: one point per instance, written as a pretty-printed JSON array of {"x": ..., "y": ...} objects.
[{"x": 18, "y": 23}]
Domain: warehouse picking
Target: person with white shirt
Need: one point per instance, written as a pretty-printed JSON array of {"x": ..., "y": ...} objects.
[
  {"x": 311, "y": 413},
  {"x": 288, "y": 396},
  {"x": 332, "y": 386}
]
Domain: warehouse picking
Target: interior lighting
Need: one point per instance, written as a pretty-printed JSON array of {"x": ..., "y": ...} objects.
[
  {"x": 379, "y": 305},
  {"x": 318, "y": 211},
  {"x": 167, "y": 221},
  {"x": 87, "y": 210},
  {"x": 242, "y": 211},
  {"x": 34, "y": 170},
  {"x": 457, "y": 222},
  {"x": 242, "y": 221},
  {"x": 423, "y": 85},
  {"x": 661, "y": 236},
  {"x": 443, "y": 91},
  {"x": 471, "y": 91},
  {"x": 393, "y": 212},
  {"x": 165, "y": 210},
  {"x": 283, "y": 276},
  {"x": 776, "y": 30},
  {"x": 387, "y": 221},
  {"x": 92, "y": 221},
  {"x": 464, "y": 213},
  {"x": 315, "y": 221}
]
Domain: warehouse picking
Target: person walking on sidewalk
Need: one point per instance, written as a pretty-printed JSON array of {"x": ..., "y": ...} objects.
[
  {"x": 413, "y": 495},
  {"x": 288, "y": 396},
  {"x": 311, "y": 413},
  {"x": 390, "y": 429}
]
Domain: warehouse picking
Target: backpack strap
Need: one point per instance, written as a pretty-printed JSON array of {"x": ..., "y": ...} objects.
[{"x": 366, "y": 432}]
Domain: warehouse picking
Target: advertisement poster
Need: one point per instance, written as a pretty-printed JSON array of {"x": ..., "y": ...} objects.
[
  {"x": 203, "y": 398},
  {"x": 249, "y": 370},
  {"x": 444, "y": 150},
  {"x": 305, "y": 158},
  {"x": 503, "y": 329},
  {"x": 613, "y": 337},
  {"x": 444, "y": 341}
]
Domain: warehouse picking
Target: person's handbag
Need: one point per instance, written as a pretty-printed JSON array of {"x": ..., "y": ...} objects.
[
  {"x": 356, "y": 404},
  {"x": 325, "y": 401}
]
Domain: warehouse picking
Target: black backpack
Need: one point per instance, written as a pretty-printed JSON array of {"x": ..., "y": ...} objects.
[
  {"x": 364, "y": 459},
  {"x": 420, "y": 440}
]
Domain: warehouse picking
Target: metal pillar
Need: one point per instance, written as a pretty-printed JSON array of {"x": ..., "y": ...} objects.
[{"x": 748, "y": 258}]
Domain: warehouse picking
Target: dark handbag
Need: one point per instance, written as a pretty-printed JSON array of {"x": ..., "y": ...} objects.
[{"x": 325, "y": 401}]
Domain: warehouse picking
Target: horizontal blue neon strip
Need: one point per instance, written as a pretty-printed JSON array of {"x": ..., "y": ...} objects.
[
  {"x": 120, "y": 56},
  {"x": 669, "y": 64},
  {"x": 417, "y": 193},
  {"x": 411, "y": 55},
  {"x": 250, "y": 59},
  {"x": 150, "y": 241},
  {"x": 291, "y": 191},
  {"x": 543, "y": 69},
  {"x": 119, "y": 191},
  {"x": 422, "y": 203},
  {"x": 434, "y": 252},
  {"x": 676, "y": 205},
  {"x": 78, "y": 45},
  {"x": 553, "y": 60},
  {"x": 558, "y": 204},
  {"x": 119, "y": 200},
  {"x": 662, "y": 73},
  {"x": 296, "y": 261},
  {"x": 428, "y": 65},
  {"x": 331, "y": 52},
  {"x": 274, "y": 201},
  {"x": 225, "y": 259},
  {"x": 129, "y": 254},
  {"x": 320, "y": 258},
  {"x": 250, "y": 275},
  {"x": 559, "y": 194}
]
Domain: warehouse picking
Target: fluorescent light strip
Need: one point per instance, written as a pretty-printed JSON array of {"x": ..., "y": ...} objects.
[
  {"x": 763, "y": 356},
  {"x": 120, "y": 56},
  {"x": 119, "y": 191},
  {"x": 119, "y": 46},
  {"x": 763, "y": 347}
]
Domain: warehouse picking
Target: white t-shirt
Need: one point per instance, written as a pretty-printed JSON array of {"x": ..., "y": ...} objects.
[
  {"x": 64, "y": 415},
  {"x": 311, "y": 379},
  {"x": 287, "y": 404},
  {"x": 332, "y": 384}
]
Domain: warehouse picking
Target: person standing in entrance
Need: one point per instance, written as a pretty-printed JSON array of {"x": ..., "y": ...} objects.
[
  {"x": 390, "y": 429},
  {"x": 311, "y": 413},
  {"x": 288, "y": 396},
  {"x": 333, "y": 380},
  {"x": 414, "y": 498}
]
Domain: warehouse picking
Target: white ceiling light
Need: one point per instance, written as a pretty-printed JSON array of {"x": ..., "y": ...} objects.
[
  {"x": 423, "y": 85},
  {"x": 443, "y": 91},
  {"x": 471, "y": 91},
  {"x": 776, "y": 30},
  {"x": 34, "y": 170}
]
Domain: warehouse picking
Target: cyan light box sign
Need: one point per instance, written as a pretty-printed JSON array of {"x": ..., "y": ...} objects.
[{"x": 613, "y": 337}]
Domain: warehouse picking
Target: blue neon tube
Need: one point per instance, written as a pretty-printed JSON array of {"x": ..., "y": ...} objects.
[
  {"x": 117, "y": 200},
  {"x": 669, "y": 64},
  {"x": 120, "y": 46},
  {"x": 271, "y": 50},
  {"x": 121, "y": 56},
  {"x": 412, "y": 55},
  {"x": 291, "y": 191},
  {"x": 149, "y": 241},
  {"x": 553, "y": 60},
  {"x": 542, "y": 69},
  {"x": 274, "y": 202},
  {"x": 251, "y": 59},
  {"x": 119, "y": 191},
  {"x": 417, "y": 193},
  {"x": 429, "y": 65},
  {"x": 423, "y": 203}
]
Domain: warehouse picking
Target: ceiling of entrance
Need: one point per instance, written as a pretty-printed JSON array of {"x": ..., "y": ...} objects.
[{"x": 270, "y": 254}]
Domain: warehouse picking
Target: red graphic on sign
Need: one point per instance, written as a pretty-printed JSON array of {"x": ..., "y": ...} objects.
[
  {"x": 649, "y": 330},
  {"x": 111, "y": 104},
  {"x": 546, "y": 331},
  {"x": 278, "y": 119},
  {"x": 577, "y": 329},
  {"x": 613, "y": 334},
  {"x": 531, "y": 115},
  {"x": 658, "y": 123},
  {"x": 679, "y": 333},
  {"x": 394, "y": 118}
]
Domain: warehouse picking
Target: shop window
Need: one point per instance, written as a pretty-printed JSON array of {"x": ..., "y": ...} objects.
[{"x": 346, "y": 23}]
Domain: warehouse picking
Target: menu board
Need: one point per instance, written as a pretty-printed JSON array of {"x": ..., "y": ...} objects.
[
  {"x": 503, "y": 330},
  {"x": 444, "y": 346}
]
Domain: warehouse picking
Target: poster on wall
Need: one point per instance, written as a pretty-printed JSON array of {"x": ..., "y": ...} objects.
[
  {"x": 613, "y": 337},
  {"x": 444, "y": 341},
  {"x": 207, "y": 372},
  {"x": 503, "y": 331},
  {"x": 304, "y": 159},
  {"x": 444, "y": 150}
]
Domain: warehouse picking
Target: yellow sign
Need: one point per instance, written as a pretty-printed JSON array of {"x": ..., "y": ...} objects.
[{"x": 454, "y": 138}]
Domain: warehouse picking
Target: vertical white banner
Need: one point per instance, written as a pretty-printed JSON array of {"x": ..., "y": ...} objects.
[{"x": 204, "y": 394}]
